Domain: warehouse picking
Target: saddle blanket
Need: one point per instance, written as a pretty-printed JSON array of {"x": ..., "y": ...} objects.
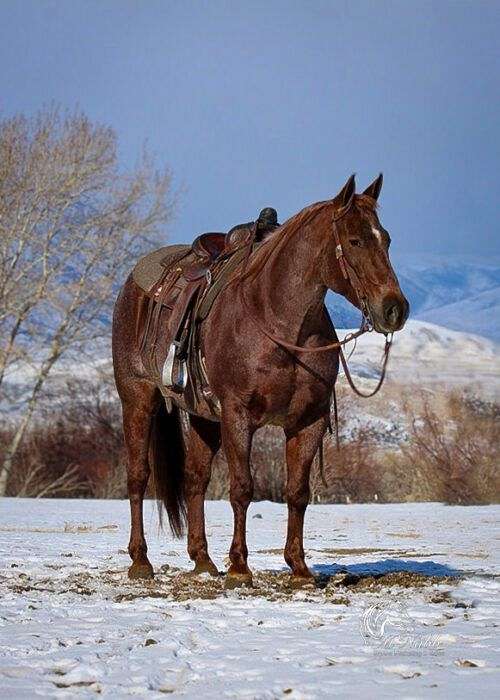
[{"x": 150, "y": 268}]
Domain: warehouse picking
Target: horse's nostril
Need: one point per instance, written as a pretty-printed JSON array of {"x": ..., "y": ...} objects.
[{"x": 392, "y": 314}]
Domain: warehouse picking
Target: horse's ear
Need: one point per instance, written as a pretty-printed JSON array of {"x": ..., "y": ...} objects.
[
  {"x": 373, "y": 190},
  {"x": 347, "y": 192}
]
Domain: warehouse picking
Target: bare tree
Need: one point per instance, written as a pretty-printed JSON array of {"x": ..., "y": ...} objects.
[{"x": 71, "y": 225}]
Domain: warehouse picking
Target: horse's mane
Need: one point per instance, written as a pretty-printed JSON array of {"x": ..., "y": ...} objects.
[
  {"x": 285, "y": 232},
  {"x": 297, "y": 221},
  {"x": 303, "y": 217},
  {"x": 362, "y": 202}
]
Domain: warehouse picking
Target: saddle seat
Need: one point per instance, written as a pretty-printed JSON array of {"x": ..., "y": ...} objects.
[
  {"x": 212, "y": 248},
  {"x": 206, "y": 250}
]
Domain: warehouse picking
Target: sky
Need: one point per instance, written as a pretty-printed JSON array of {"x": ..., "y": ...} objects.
[{"x": 254, "y": 104}]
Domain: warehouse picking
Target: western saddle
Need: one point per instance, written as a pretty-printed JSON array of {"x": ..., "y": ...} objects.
[{"x": 182, "y": 283}]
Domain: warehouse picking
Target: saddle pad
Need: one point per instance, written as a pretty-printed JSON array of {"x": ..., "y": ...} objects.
[{"x": 151, "y": 267}]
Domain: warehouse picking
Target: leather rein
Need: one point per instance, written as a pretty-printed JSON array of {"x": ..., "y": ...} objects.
[{"x": 349, "y": 274}]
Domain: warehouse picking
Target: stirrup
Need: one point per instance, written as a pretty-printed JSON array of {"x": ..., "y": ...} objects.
[{"x": 167, "y": 375}]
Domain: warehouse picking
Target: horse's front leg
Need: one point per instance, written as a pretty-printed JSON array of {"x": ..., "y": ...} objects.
[
  {"x": 237, "y": 441},
  {"x": 301, "y": 447}
]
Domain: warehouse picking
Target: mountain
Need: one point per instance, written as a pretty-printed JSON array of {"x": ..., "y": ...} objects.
[
  {"x": 462, "y": 293},
  {"x": 480, "y": 314}
]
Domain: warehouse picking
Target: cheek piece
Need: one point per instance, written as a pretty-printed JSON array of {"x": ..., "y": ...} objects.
[{"x": 350, "y": 273}]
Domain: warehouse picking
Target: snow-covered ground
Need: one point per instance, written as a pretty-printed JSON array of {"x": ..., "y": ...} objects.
[{"x": 408, "y": 605}]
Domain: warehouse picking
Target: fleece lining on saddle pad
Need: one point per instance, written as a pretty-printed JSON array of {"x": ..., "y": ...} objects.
[{"x": 151, "y": 267}]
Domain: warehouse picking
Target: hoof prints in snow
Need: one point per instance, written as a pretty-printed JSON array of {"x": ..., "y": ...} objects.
[{"x": 76, "y": 626}]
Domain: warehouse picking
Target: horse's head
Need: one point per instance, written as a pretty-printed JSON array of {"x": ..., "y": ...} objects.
[{"x": 358, "y": 244}]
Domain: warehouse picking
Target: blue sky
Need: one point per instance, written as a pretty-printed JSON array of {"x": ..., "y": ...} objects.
[{"x": 276, "y": 103}]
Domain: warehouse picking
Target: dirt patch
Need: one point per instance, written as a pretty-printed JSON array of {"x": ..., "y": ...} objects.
[
  {"x": 79, "y": 684},
  {"x": 409, "y": 535},
  {"x": 278, "y": 551},
  {"x": 69, "y": 528},
  {"x": 440, "y": 596},
  {"x": 343, "y": 551},
  {"x": 473, "y": 555},
  {"x": 174, "y": 584},
  {"x": 348, "y": 551},
  {"x": 181, "y": 587}
]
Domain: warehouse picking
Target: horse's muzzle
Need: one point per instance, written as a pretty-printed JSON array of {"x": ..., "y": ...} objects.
[{"x": 391, "y": 316}]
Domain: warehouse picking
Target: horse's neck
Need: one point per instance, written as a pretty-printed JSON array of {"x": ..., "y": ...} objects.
[{"x": 287, "y": 292}]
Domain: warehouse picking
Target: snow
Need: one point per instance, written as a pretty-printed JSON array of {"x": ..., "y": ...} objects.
[{"x": 73, "y": 625}]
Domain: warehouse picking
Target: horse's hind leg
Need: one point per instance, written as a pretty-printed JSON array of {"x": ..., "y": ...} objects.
[
  {"x": 204, "y": 442},
  {"x": 237, "y": 437},
  {"x": 138, "y": 412}
]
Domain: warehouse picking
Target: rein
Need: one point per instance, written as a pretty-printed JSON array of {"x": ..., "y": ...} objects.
[{"x": 350, "y": 274}]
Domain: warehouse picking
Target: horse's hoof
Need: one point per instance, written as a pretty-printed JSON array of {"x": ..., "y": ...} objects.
[
  {"x": 144, "y": 571},
  {"x": 204, "y": 567},
  {"x": 298, "y": 582},
  {"x": 238, "y": 581}
]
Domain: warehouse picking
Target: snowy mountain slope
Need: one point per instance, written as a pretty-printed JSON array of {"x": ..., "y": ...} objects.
[
  {"x": 425, "y": 353},
  {"x": 425, "y": 360},
  {"x": 480, "y": 313},
  {"x": 436, "y": 281}
]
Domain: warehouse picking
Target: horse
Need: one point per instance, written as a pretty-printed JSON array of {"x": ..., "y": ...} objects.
[{"x": 271, "y": 357}]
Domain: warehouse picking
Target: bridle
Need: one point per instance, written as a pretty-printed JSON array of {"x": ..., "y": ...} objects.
[
  {"x": 366, "y": 326},
  {"x": 349, "y": 272}
]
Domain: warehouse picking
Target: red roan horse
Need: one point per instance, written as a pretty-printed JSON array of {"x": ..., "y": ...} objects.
[{"x": 257, "y": 380}]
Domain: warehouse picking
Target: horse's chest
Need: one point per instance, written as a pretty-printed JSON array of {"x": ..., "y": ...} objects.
[
  {"x": 270, "y": 383},
  {"x": 284, "y": 394}
]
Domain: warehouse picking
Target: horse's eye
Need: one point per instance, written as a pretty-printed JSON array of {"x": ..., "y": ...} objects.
[{"x": 355, "y": 242}]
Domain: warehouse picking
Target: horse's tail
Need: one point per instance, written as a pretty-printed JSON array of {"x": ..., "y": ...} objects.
[{"x": 167, "y": 460}]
